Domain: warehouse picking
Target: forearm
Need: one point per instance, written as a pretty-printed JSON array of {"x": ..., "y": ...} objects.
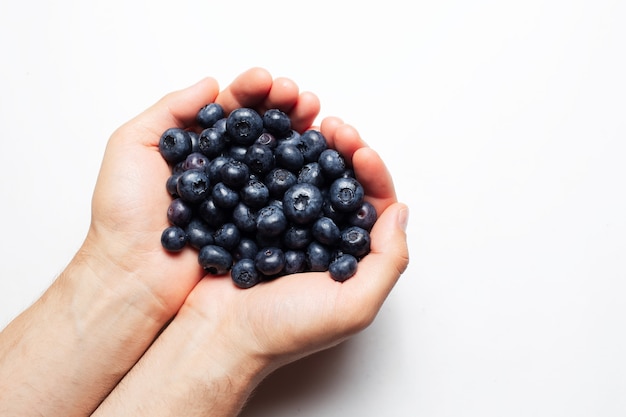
[
  {"x": 65, "y": 353},
  {"x": 191, "y": 370}
]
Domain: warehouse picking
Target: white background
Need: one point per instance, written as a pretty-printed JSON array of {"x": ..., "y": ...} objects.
[{"x": 502, "y": 123}]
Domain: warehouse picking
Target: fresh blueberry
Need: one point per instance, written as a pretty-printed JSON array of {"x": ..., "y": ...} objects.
[
  {"x": 195, "y": 141},
  {"x": 255, "y": 194},
  {"x": 288, "y": 156},
  {"x": 215, "y": 259},
  {"x": 277, "y": 122},
  {"x": 220, "y": 125},
  {"x": 325, "y": 231},
  {"x": 297, "y": 237},
  {"x": 212, "y": 142},
  {"x": 224, "y": 196},
  {"x": 346, "y": 194},
  {"x": 214, "y": 168},
  {"x": 267, "y": 139},
  {"x": 312, "y": 174},
  {"x": 199, "y": 233},
  {"x": 259, "y": 158},
  {"x": 173, "y": 238},
  {"x": 175, "y": 145},
  {"x": 313, "y": 143},
  {"x": 238, "y": 152},
  {"x": 302, "y": 203},
  {"x": 332, "y": 164},
  {"x": 193, "y": 185},
  {"x": 196, "y": 160},
  {"x": 247, "y": 248},
  {"x": 244, "y": 126},
  {"x": 292, "y": 137},
  {"x": 331, "y": 212},
  {"x": 172, "y": 183},
  {"x": 355, "y": 241},
  {"x": 179, "y": 212},
  {"x": 209, "y": 114},
  {"x": 278, "y": 181},
  {"x": 343, "y": 267},
  {"x": 235, "y": 174},
  {"x": 270, "y": 261},
  {"x": 271, "y": 221},
  {"x": 364, "y": 217},
  {"x": 295, "y": 262},
  {"x": 318, "y": 257},
  {"x": 244, "y": 274},
  {"x": 211, "y": 213},
  {"x": 244, "y": 218},
  {"x": 227, "y": 236}
]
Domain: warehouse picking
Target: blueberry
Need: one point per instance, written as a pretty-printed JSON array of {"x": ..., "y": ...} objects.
[
  {"x": 215, "y": 259},
  {"x": 343, "y": 267},
  {"x": 179, "y": 212},
  {"x": 364, "y": 217},
  {"x": 267, "y": 139},
  {"x": 173, "y": 238},
  {"x": 271, "y": 221},
  {"x": 325, "y": 231},
  {"x": 289, "y": 157},
  {"x": 311, "y": 173},
  {"x": 220, "y": 125},
  {"x": 259, "y": 158},
  {"x": 277, "y": 122},
  {"x": 270, "y": 261},
  {"x": 199, "y": 233},
  {"x": 331, "y": 212},
  {"x": 332, "y": 164},
  {"x": 255, "y": 194},
  {"x": 355, "y": 241},
  {"x": 346, "y": 194},
  {"x": 227, "y": 236},
  {"x": 193, "y": 185},
  {"x": 175, "y": 145},
  {"x": 212, "y": 214},
  {"x": 246, "y": 248},
  {"x": 214, "y": 169},
  {"x": 196, "y": 160},
  {"x": 244, "y": 274},
  {"x": 238, "y": 152},
  {"x": 318, "y": 257},
  {"x": 195, "y": 141},
  {"x": 297, "y": 238},
  {"x": 172, "y": 183},
  {"x": 293, "y": 137},
  {"x": 244, "y": 126},
  {"x": 302, "y": 203},
  {"x": 313, "y": 143},
  {"x": 244, "y": 218},
  {"x": 295, "y": 262},
  {"x": 278, "y": 181},
  {"x": 224, "y": 196},
  {"x": 212, "y": 142},
  {"x": 209, "y": 114},
  {"x": 234, "y": 173}
]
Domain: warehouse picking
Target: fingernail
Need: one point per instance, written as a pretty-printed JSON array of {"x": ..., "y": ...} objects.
[{"x": 403, "y": 218}]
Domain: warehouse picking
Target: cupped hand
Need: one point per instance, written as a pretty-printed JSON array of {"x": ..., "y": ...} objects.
[{"x": 130, "y": 199}]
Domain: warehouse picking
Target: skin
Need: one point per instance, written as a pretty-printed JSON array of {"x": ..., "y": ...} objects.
[{"x": 125, "y": 312}]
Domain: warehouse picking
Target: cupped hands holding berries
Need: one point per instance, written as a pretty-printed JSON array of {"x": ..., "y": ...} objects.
[{"x": 130, "y": 328}]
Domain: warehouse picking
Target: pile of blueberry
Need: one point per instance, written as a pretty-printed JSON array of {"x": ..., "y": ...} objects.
[{"x": 261, "y": 200}]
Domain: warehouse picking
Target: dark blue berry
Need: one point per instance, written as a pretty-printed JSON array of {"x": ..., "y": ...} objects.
[
  {"x": 247, "y": 248},
  {"x": 270, "y": 261},
  {"x": 297, "y": 237},
  {"x": 311, "y": 173},
  {"x": 238, "y": 152},
  {"x": 215, "y": 259},
  {"x": 193, "y": 185},
  {"x": 235, "y": 174},
  {"x": 277, "y": 122},
  {"x": 212, "y": 142},
  {"x": 244, "y": 274},
  {"x": 259, "y": 158},
  {"x": 255, "y": 194},
  {"x": 295, "y": 262},
  {"x": 175, "y": 145},
  {"x": 195, "y": 141},
  {"x": 343, "y": 267},
  {"x": 244, "y": 126},
  {"x": 209, "y": 114},
  {"x": 271, "y": 221},
  {"x": 355, "y": 241},
  {"x": 244, "y": 218},
  {"x": 224, "y": 196},
  {"x": 346, "y": 194},
  {"x": 172, "y": 183},
  {"x": 199, "y": 233},
  {"x": 278, "y": 181},
  {"x": 214, "y": 169},
  {"x": 212, "y": 214},
  {"x": 196, "y": 160},
  {"x": 227, "y": 236},
  {"x": 267, "y": 139},
  {"x": 364, "y": 217},
  {"x": 179, "y": 212},
  {"x": 331, "y": 163},
  {"x": 288, "y": 156},
  {"x": 173, "y": 238},
  {"x": 313, "y": 143},
  {"x": 302, "y": 203},
  {"x": 325, "y": 231},
  {"x": 318, "y": 257}
]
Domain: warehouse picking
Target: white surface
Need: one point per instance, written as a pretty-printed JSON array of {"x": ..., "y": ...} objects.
[{"x": 513, "y": 304}]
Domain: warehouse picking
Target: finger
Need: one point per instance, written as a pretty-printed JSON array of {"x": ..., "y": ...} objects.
[
  {"x": 305, "y": 111},
  {"x": 250, "y": 89},
  {"x": 283, "y": 95},
  {"x": 345, "y": 139},
  {"x": 176, "y": 109},
  {"x": 372, "y": 173},
  {"x": 328, "y": 127},
  {"x": 379, "y": 271}
]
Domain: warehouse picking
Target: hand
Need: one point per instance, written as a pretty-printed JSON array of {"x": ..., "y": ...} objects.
[{"x": 224, "y": 340}]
